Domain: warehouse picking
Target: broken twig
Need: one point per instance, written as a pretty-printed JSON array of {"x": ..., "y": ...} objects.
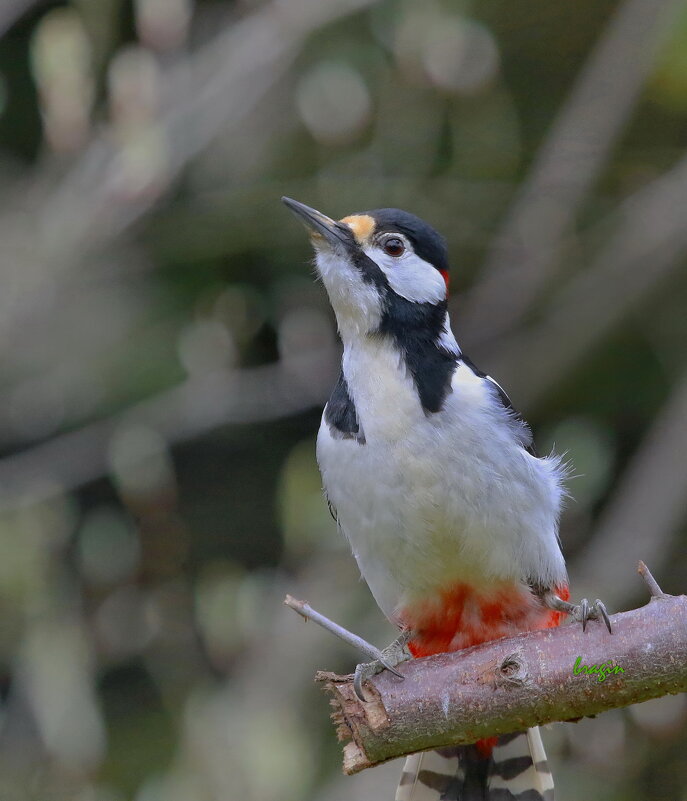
[{"x": 305, "y": 610}]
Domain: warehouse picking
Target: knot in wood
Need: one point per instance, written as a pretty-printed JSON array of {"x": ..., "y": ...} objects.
[{"x": 511, "y": 671}]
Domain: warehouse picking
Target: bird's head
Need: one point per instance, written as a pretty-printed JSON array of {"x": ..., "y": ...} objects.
[{"x": 382, "y": 269}]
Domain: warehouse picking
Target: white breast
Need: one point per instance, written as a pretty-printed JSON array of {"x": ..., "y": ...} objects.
[{"x": 434, "y": 499}]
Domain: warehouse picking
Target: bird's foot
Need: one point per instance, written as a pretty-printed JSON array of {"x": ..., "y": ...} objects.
[
  {"x": 388, "y": 659},
  {"x": 582, "y": 612},
  {"x": 585, "y": 611}
]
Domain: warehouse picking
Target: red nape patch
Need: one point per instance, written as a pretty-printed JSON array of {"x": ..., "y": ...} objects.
[
  {"x": 445, "y": 276},
  {"x": 463, "y": 615}
]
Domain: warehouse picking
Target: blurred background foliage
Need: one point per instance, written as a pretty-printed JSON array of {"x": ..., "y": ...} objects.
[{"x": 166, "y": 353}]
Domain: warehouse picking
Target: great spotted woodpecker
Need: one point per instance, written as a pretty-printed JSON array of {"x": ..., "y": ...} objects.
[{"x": 434, "y": 479}]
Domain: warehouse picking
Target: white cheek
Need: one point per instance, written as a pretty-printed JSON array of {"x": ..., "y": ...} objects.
[{"x": 410, "y": 276}]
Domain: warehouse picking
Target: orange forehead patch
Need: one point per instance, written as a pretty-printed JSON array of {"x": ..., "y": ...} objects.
[{"x": 362, "y": 225}]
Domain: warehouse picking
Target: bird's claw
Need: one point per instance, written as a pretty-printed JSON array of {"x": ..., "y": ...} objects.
[
  {"x": 387, "y": 666},
  {"x": 363, "y": 672},
  {"x": 581, "y": 612},
  {"x": 388, "y": 659},
  {"x": 584, "y": 611},
  {"x": 602, "y": 611}
]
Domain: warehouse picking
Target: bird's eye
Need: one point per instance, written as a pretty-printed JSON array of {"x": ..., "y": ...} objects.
[{"x": 394, "y": 246}]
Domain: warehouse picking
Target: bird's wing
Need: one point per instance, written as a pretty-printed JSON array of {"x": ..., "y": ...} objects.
[{"x": 525, "y": 432}]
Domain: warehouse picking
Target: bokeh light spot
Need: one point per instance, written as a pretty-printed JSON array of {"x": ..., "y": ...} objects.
[{"x": 334, "y": 102}]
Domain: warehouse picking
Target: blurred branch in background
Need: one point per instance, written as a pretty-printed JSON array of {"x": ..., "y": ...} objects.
[
  {"x": 109, "y": 188},
  {"x": 201, "y": 404},
  {"x": 12, "y": 10},
  {"x": 647, "y": 242},
  {"x": 523, "y": 255},
  {"x": 648, "y": 505}
]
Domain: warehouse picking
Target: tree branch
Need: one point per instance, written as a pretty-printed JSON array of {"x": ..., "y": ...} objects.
[{"x": 511, "y": 684}]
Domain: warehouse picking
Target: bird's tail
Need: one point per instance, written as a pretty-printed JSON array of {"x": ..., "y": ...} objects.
[{"x": 513, "y": 768}]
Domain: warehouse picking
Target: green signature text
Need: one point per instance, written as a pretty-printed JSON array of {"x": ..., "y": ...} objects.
[{"x": 601, "y": 671}]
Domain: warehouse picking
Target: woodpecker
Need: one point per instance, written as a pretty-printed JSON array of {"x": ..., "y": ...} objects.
[{"x": 434, "y": 479}]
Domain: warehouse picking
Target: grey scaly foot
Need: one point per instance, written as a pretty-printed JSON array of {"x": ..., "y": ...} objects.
[
  {"x": 584, "y": 612},
  {"x": 389, "y": 658},
  {"x": 581, "y": 612}
]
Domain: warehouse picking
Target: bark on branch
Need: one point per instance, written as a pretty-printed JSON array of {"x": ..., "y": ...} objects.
[{"x": 511, "y": 684}]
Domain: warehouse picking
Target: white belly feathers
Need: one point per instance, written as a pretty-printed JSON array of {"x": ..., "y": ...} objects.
[{"x": 434, "y": 499}]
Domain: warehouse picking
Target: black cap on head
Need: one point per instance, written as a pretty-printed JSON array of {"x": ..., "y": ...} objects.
[{"x": 427, "y": 243}]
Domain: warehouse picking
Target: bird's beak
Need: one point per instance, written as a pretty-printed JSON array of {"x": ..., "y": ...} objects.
[{"x": 322, "y": 228}]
